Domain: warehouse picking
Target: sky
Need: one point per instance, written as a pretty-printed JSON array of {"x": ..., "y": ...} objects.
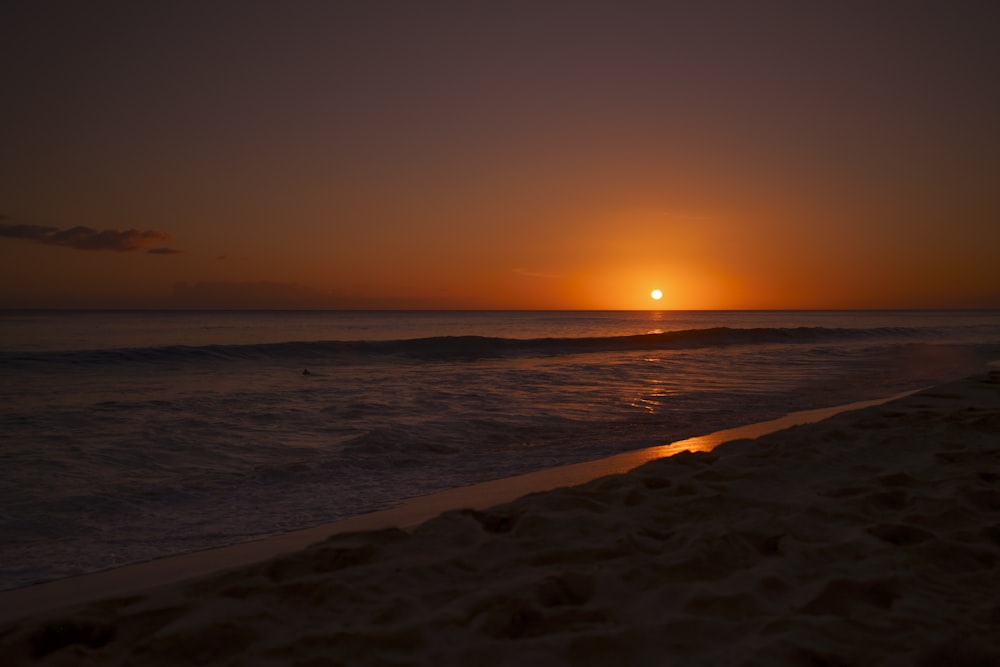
[{"x": 544, "y": 154}]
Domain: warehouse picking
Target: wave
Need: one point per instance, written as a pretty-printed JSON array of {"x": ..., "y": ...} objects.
[{"x": 457, "y": 348}]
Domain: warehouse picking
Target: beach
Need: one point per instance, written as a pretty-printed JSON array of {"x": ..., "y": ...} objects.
[
  {"x": 457, "y": 333},
  {"x": 130, "y": 437},
  {"x": 872, "y": 537}
]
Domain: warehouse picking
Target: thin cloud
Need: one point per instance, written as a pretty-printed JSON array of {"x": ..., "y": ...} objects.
[
  {"x": 535, "y": 274},
  {"x": 86, "y": 238},
  {"x": 690, "y": 216},
  {"x": 164, "y": 251},
  {"x": 295, "y": 296},
  {"x": 247, "y": 295}
]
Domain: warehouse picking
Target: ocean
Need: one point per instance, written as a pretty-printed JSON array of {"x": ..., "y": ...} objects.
[{"x": 132, "y": 435}]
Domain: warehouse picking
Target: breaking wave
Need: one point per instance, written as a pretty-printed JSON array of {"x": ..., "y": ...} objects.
[{"x": 460, "y": 348}]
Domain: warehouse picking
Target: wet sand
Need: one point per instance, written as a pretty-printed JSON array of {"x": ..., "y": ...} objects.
[{"x": 872, "y": 537}]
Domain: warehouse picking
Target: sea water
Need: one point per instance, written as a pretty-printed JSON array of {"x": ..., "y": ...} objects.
[{"x": 128, "y": 436}]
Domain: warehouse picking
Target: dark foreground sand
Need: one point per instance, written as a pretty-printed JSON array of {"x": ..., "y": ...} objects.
[{"x": 870, "y": 538}]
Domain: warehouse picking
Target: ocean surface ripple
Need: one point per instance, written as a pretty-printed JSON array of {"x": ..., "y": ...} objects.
[{"x": 132, "y": 436}]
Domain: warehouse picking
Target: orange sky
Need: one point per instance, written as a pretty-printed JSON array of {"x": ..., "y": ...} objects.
[{"x": 526, "y": 155}]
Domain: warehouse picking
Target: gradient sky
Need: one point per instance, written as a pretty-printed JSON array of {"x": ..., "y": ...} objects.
[{"x": 506, "y": 154}]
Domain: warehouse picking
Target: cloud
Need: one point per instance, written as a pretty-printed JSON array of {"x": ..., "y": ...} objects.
[
  {"x": 536, "y": 274},
  {"x": 164, "y": 251},
  {"x": 86, "y": 238},
  {"x": 691, "y": 216},
  {"x": 246, "y": 295},
  {"x": 290, "y": 296}
]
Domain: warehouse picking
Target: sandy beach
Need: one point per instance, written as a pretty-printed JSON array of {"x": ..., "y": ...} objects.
[{"x": 870, "y": 538}]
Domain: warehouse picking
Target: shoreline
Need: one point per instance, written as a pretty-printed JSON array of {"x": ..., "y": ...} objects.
[
  {"x": 870, "y": 537},
  {"x": 24, "y": 602}
]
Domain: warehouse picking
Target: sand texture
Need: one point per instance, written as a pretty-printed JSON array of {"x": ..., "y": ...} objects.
[{"x": 871, "y": 538}]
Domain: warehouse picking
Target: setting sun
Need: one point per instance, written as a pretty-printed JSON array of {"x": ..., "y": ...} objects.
[{"x": 656, "y": 294}]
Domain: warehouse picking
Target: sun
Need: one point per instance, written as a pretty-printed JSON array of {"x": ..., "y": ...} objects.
[{"x": 656, "y": 294}]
